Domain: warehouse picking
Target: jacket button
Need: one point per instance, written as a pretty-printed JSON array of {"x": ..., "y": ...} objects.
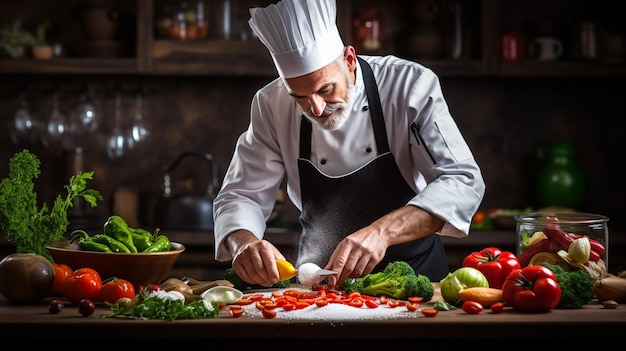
[
  {"x": 365, "y": 108},
  {"x": 368, "y": 150},
  {"x": 323, "y": 161}
]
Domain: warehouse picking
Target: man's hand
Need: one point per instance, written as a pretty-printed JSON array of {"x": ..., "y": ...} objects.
[
  {"x": 358, "y": 254},
  {"x": 254, "y": 259}
]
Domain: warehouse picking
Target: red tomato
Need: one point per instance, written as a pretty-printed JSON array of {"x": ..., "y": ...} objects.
[
  {"x": 83, "y": 283},
  {"x": 497, "y": 307},
  {"x": 415, "y": 299},
  {"x": 494, "y": 264},
  {"x": 383, "y": 300},
  {"x": 115, "y": 289},
  {"x": 61, "y": 272},
  {"x": 412, "y": 306},
  {"x": 472, "y": 307},
  {"x": 393, "y": 303},
  {"x": 235, "y": 311},
  {"x": 429, "y": 312},
  {"x": 91, "y": 271},
  {"x": 531, "y": 289},
  {"x": 269, "y": 313}
]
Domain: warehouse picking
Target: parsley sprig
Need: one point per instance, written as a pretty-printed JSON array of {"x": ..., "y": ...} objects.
[
  {"x": 25, "y": 225},
  {"x": 158, "y": 307}
]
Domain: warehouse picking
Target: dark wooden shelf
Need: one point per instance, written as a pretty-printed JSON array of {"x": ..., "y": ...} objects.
[
  {"x": 153, "y": 56},
  {"x": 69, "y": 66}
]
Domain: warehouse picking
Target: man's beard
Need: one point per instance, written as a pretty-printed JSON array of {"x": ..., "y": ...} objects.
[{"x": 341, "y": 110}]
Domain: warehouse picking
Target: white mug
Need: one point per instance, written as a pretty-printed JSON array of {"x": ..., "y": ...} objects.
[{"x": 548, "y": 48}]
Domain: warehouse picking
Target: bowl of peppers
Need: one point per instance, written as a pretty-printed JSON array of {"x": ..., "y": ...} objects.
[{"x": 134, "y": 254}]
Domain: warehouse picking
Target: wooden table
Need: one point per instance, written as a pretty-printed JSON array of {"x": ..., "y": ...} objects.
[{"x": 568, "y": 326}]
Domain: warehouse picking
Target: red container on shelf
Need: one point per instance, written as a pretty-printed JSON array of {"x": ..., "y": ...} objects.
[{"x": 512, "y": 46}]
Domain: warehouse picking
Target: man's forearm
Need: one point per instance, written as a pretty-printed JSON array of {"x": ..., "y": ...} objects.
[{"x": 408, "y": 223}]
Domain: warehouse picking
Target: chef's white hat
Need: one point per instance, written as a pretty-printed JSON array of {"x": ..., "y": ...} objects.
[{"x": 301, "y": 35}]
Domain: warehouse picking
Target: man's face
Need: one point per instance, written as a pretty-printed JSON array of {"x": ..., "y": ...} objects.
[{"x": 325, "y": 96}]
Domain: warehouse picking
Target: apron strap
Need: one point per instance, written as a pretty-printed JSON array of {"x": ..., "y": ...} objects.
[
  {"x": 376, "y": 109},
  {"x": 305, "y": 138}
]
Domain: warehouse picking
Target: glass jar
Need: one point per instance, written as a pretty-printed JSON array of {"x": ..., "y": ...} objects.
[{"x": 546, "y": 236}]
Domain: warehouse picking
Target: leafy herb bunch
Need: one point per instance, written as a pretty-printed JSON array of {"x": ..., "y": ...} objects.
[{"x": 26, "y": 226}]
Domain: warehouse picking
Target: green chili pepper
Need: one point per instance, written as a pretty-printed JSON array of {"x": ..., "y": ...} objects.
[
  {"x": 85, "y": 242},
  {"x": 141, "y": 238},
  {"x": 114, "y": 244},
  {"x": 117, "y": 228},
  {"x": 161, "y": 244}
]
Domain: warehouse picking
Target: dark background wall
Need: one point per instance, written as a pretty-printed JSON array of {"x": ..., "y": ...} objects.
[{"x": 503, "y": 119}]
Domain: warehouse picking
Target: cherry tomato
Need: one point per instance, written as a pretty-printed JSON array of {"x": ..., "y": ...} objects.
[
  {"x": 497, "y": 307},
  {"x": 114, "y": 289},
  {"x": 472, "y": 307},
  {"x": 235, "y": 311},
  {"x": 415, "y": 299},
  {"x": 429, "y": 312},
  {"x": 86, "y": 307},
  {"x": 269, "y": 314},
  {"x": 83, "y": 283},
  {"x": 61, "y": 272},
  {"x": 55, "y": 306},
  {"x": 371, "y": 303},
  {"x": 412, "y": 306}
]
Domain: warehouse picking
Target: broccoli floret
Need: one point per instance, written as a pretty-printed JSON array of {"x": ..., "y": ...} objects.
[
  {"x": 241, "y": 284},
  {"x": 424, "y": 288},
  {"x": 352, "y": 285},
  {"x": 398, "y": 281},
  {"x": 576, "y": 287}
]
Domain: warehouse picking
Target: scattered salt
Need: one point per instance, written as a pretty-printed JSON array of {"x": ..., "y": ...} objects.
[{"x": 334, "y": 311}]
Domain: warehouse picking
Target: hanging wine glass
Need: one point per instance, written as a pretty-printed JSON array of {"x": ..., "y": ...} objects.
[
  {"x": 118, "y": 140},
  {"x": 84, "y": 115},
  {"x": 24, "y": 123},
  {"x": 139, "y": 129},
  {"x": 57, "y": 126}
]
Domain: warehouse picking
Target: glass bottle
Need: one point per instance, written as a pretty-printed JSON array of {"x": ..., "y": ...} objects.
[
  {"x": 560, "y": 180},
  {"x": 367, "y": 31}
]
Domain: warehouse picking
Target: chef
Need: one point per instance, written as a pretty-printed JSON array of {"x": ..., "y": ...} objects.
[{"x": 369, "y": 151}]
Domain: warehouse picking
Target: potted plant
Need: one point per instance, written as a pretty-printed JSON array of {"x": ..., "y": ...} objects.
[
  {"x": 14, "y": 40},
  {"x": 42, "y": 49}
]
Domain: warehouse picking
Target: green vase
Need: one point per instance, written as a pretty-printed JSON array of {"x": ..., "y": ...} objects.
[{"x": 560, "y": 180}]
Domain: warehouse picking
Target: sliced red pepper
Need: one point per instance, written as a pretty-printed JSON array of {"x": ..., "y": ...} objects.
[
  {"x": 321, "y": 302},
  {"x": 371, "y": 303}
]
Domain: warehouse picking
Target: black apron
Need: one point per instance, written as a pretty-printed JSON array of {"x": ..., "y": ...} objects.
[{"x": 335, "y": 207}]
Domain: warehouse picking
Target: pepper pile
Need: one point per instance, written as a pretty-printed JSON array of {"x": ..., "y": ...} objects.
[{"x": 118, "y": 237}]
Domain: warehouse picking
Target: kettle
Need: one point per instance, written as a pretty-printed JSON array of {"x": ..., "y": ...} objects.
[{"x": 186, "y": 210}]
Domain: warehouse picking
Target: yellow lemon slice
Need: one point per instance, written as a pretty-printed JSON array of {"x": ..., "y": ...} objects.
[{"x": 286, "y": 269}]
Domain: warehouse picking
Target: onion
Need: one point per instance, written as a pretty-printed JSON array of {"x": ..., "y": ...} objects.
[{"x": 26, "y": 278}]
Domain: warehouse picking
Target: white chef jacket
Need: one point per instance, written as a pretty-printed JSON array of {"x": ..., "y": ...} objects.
[{"x": 439, "y": 167}]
